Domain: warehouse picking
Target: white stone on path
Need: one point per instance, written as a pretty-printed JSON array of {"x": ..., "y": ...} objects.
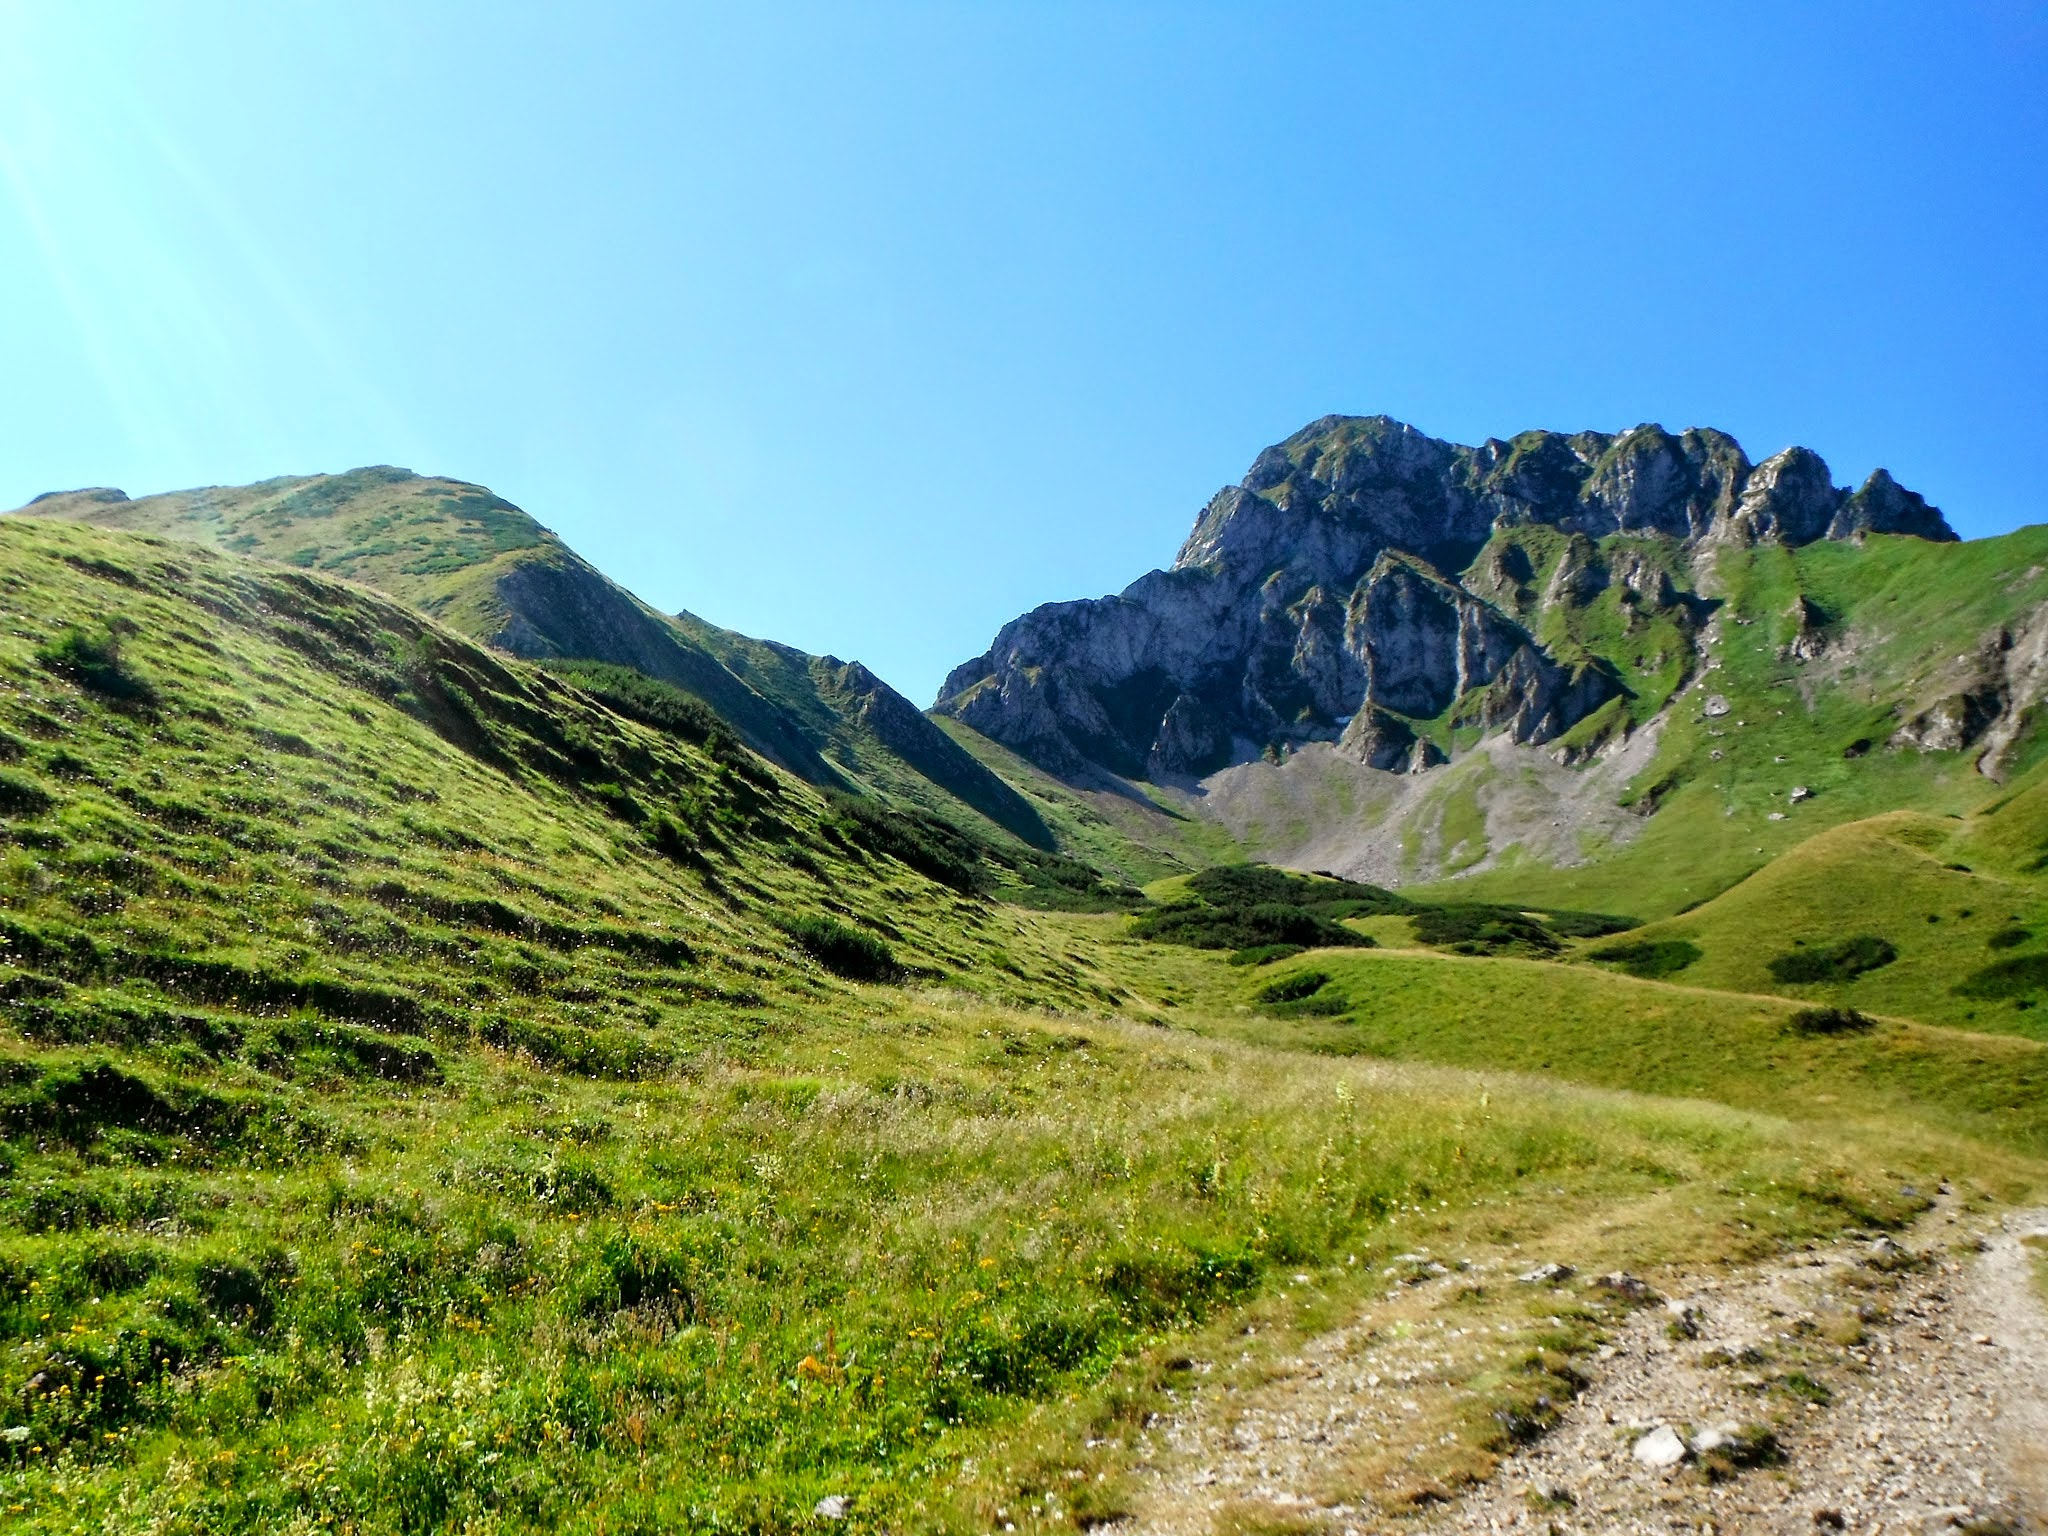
[{"x": 1661, "y": 1447}]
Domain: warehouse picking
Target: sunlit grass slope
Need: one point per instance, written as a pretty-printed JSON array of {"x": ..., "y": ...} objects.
[
  {"x": 1590, "y": 1027},
  {"x": 488, "y": 570},
  {"x": 1904, "y": 879},
  {"x": 315, "y": 778},
  {"x": 1122, "y": 830},
  {"x": 1952, "y": 913},
  {"x": 423, "y": 1107}
]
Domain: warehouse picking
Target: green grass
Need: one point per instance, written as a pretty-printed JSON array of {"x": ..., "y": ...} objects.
[
  {"x": 1127, "y": 836},
  {"x": 432, "y": 1099},
  {"x": 1600, "y": 1029},
  {"x": 485, "y": 568},
  {"x": 1926, "y": 890}
]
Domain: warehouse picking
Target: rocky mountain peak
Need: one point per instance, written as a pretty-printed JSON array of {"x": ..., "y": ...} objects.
[{"x": 1365, "y": 580}]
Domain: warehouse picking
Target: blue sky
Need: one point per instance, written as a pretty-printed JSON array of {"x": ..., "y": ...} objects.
[{"x": 866, "y": 327}]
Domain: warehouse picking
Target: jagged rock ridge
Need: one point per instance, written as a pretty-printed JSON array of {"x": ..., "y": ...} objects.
[{"x": 1364, "y": 579}]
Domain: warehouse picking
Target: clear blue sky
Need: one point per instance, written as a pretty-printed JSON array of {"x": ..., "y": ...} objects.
[{"x": 867, "y": 327}]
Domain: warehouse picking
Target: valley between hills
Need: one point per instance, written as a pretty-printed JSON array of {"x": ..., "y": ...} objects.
[{"x": 1501, "y": 991}]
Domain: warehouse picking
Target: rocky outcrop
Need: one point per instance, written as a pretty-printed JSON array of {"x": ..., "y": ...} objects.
[
  {"x": 1809, "y": 640},
  {"x": 1885, "y": 506},
  {"x": 1985, "y": 701},
  {"x": 1362, "y": 578},
  {"x": 1789, "y": 498}
]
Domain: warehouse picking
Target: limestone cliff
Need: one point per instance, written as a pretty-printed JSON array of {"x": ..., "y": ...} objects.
[{"x": 1371, "y": 586}]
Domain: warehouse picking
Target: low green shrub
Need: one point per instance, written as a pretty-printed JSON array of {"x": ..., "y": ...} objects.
[
  {"x": 1587, "y": 925},
  {"x": 2008, "y": 938},
  {"x": 1830, "y": 1021},
  {"x": 1844, "y": 960},
  {"x": 1485, "y": 930},
  {"x": 1247, "y": 885},
  {"x": 653, "y": 703},
  {"x": 91, "y": 656},
  {"x": 1198, "y": 925},
  {"x": 843, "y": 950},
  {"x": 929, "y": 844},
  {"x": 1649, "y": 959},
  {"x": 1052, "y": 882},
  {"x": 2014, "y": 977},
  {"x": 1293, "y": 988},
  {"x": 1265, "y": 954}
]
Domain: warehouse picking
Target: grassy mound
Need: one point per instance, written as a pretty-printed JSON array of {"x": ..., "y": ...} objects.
[{"x": 1930, "y": 893}]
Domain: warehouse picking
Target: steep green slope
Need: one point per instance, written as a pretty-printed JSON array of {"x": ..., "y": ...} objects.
[
  {"x": 427, "y": 1104},
  {"x": 306, "y": 770},
  {"x": 1951, "y": 915},
  {"x": 1140, "y": 838},
  {"x": 1825, "y": 676},
  {"x": 481, "y": 565}
]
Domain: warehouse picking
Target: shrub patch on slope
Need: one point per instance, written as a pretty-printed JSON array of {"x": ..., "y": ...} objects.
[
  {"x": 1830, "y": 1021},
  {"x": 1252, "y": 908},
  {"x": 1650, "y": 959},
  {"x": 1844, "y": 960},
  {"x": 842, "y": 950},
  {"x": 1255, "y": 907},
  {"x": 2014, "y": 977}
]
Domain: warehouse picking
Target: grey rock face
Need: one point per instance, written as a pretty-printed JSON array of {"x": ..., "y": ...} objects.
[
  {"x": 1789, "y": 497},
  {"x": 1346, "y": 588},
  {"x": 1809, "y": 634},
  {"x": 1379, "y": 740},
  {"x": 1984, "y": 701},
  {"x": 1885, "y": 506}
]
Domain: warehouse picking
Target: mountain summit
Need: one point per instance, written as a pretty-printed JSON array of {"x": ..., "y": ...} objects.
[{"x": 1365, "y": 582}]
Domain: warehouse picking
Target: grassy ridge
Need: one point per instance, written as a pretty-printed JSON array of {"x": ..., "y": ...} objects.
[
  {"x": 485, "y": 568},
  {"x": 1955, "y": 901}
]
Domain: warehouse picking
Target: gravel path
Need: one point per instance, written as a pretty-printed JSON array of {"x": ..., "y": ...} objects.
[{"x": 1869, "y": 1387}]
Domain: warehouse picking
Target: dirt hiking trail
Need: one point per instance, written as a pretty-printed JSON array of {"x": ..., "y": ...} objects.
[{"x": 1871, "y": 1386}]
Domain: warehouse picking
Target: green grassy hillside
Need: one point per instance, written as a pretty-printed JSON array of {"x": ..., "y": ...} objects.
[
  {"x": 871, "y": 735},
  {"x": 1957, "y": 908},
  {"x": 485, "y": 568},
  {"x": 438, "y": 1094},
  {"x": 1657, "y": 1038},
  {"x": 1122, "y": 829},
  {"x": 1892, "y": 627}
]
